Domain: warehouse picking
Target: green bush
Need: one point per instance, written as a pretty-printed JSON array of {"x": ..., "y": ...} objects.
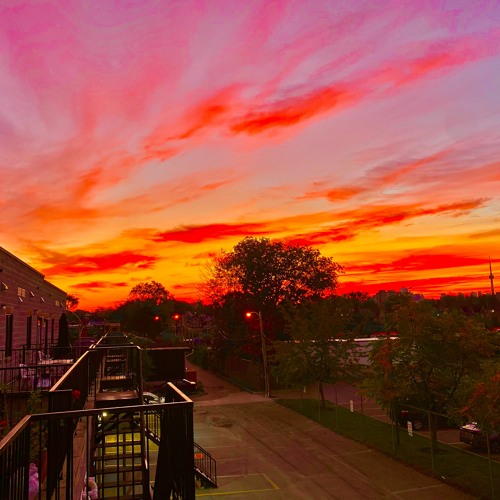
[{"x": 200, "y": 356}]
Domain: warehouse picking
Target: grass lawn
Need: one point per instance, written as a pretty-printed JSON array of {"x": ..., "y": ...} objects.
[{"x": 468, "y": 471}]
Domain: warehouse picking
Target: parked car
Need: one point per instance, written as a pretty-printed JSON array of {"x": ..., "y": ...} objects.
[
  {"x": 473, "y": 435},
  {"x": 410, "y": 411},
  {"x": 418, "y": 419}
]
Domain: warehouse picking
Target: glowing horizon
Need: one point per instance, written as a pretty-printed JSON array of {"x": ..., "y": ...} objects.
[{"x": 139, "y": 139}]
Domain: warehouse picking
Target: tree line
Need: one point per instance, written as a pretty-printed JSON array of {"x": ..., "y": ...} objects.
[{"x": 444, "y": 354}]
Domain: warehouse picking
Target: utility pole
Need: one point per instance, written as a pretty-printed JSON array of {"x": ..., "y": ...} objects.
[
  {"x": 264, "y": 351},
  {"x": 491, "y": 277}
]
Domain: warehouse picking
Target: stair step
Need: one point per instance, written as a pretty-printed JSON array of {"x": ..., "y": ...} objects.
[
  {"x": 118, "y": 484},
  {"x": 118, "y": 432},
  {"x": 108, "y": 448},
  {"x": 125, "y": 497},
  {"x": 116, "y": 456},
  {"x": 117, "y": 466},
  {"x": 119, "y": 469}
]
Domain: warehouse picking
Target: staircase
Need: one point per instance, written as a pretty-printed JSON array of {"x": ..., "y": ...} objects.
[
  {"x": 120, "y": 470},
  {"x": 120, "y": 467}
]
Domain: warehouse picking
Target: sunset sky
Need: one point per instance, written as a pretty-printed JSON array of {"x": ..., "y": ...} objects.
[{"x": 139, "y": 138}]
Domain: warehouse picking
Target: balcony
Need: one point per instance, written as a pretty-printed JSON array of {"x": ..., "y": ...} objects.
[{"x": 95, "y": 434}]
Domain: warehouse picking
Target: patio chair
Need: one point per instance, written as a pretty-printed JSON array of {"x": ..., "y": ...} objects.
[
  {"x": 27, "y": 376},
  {"x": 42, "y": 356}
]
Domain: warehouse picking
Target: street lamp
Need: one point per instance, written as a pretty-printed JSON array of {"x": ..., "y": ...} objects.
[
  {"x": 264, "y": 350},
  {"x": 78, "y": 318}
]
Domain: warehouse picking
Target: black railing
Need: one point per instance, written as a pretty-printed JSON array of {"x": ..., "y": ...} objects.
[
  {"x": 79, "y": 380},
  {"x": 205, "y": 465},
  {"x": 54, "y": 455},
  {"x": 35, "y": 353}
]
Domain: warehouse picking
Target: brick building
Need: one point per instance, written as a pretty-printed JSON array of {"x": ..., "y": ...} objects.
[{"x": 30, "y": 307}]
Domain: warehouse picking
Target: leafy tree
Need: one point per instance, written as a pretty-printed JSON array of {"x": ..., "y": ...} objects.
[
  {"x": 270, "y": 272},
  {"x": 147, "y": 310},
  {"x": 259, "y": 275},
  {"x": 483, "y": 405},
  {"x": 151, "y": 291},
  {"x": 435, "y": 356},
  {"x": 319, "y": 350},
  {"x": 72, "y": 301}
]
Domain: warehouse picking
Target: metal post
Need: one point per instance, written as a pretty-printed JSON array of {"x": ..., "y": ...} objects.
[{"x": 264, "y": 355}]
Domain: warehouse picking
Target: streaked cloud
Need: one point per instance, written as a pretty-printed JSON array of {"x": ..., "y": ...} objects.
[
  {"x": 198, "y": 234},
  {"x": 139, "y": 139},
  {"x": 58, "y": 265}
]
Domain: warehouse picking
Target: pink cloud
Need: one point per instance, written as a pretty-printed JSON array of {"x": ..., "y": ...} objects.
[{"x": 291, "y": 111}]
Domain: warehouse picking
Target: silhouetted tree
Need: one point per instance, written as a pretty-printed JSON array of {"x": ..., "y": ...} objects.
[
  {"x": 270, "y": 272},
  {"x": 72, "y": 301},
  {"x": 266, "y": 273},
  {"x": 152, "y": 291}
]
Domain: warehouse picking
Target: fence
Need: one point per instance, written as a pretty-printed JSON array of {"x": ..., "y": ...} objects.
[{"x": 348, "y": 413}]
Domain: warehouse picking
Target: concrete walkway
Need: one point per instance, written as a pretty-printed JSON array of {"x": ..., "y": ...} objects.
[{"x": 265, "y": 451}]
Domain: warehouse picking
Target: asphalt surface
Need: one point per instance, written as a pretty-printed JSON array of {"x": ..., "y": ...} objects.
[{"x": 265, "y": 451}]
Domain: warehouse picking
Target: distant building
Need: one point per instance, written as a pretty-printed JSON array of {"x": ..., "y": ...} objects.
[{"x": 30, "y": 306}]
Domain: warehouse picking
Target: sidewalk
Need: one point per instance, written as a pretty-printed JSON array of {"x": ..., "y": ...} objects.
[{"x": 265, "y": 451}]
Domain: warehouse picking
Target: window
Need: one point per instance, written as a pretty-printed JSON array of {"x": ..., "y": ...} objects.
[
  {"x": 21, "y": 292},
  {"x": 29, "y": 324},
  {"x": 39, "y": 330},
  {"x": 9, "y": 321},
  {"x": 52, "y": 331},
  {"x": 46, "y": 338}
]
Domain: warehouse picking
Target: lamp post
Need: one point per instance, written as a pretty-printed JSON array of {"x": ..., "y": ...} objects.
[
  {"x": 66, "y": 311},
  {"x": 264, "y": 350}
]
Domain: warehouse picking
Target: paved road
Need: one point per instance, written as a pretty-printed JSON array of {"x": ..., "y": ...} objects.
[{"x": 265, "y": 451}]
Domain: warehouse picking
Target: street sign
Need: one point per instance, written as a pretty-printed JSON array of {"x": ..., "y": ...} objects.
[{"x": 410, "y": 428}]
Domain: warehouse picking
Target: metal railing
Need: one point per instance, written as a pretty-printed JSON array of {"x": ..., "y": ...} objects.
[
  {"x": 60, "y": 448},
  {"x": 205, "y": 465},
  {"x": 55, "y": 454},
  {"x": 33, "y": 354}
]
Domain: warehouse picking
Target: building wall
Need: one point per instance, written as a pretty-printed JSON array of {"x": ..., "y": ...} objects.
[{"x": 26, "y": 297}]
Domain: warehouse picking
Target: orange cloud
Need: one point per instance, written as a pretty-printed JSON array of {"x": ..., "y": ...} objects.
[
  {"x": 420, "y": 262},
  {"x": 369, "y": 218},
  {"x": 98, "y": 285},
  {"x": 342, "y": 193},
  {"x": 197, "y": 234},
  {"x": 430, "y": 287},
  {"x": 82, "y": 264}
]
